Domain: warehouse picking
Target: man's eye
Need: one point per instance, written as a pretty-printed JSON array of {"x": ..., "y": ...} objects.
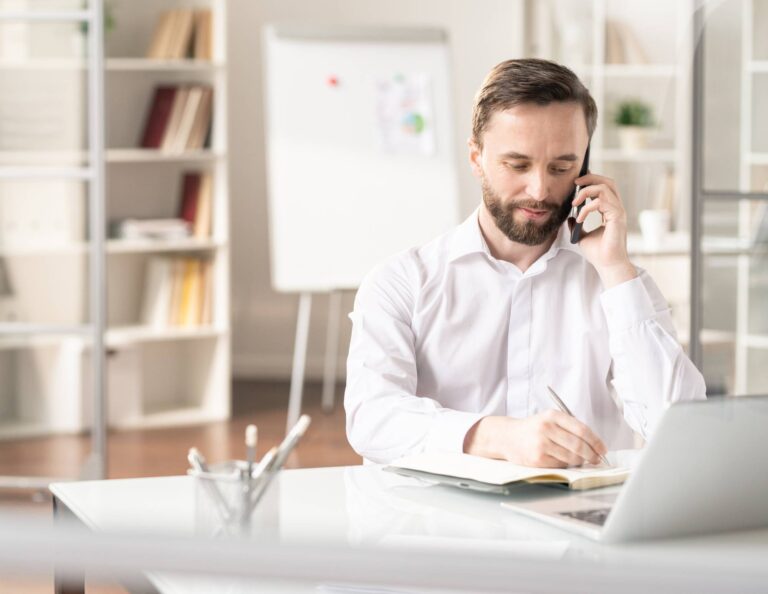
[
  {"x": 517, "y": 166},
  {"x": 561, "y": 170}
]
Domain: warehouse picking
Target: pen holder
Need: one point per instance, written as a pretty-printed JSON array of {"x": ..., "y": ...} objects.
[
  {"x": 227, "y": 471},
  {"x": 228, "y": 504}
]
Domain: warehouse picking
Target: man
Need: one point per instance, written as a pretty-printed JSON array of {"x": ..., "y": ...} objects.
[{"x": 454, "y": 343}]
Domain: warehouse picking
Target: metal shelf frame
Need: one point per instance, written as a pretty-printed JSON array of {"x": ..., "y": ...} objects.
[{"x": 95, "y": 466}]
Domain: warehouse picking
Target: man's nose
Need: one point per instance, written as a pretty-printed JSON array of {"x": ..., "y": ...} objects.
[{"x": 536, "y": 186}]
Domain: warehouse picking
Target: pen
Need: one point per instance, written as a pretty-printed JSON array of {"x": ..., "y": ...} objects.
[
  {"x": 251, "y": 434},
  {"x": 561, "y": 405},
  {"x": 265, "y": 462},
  {"x": 273, "y": 461},
  {"x": 196, "y": 460}
]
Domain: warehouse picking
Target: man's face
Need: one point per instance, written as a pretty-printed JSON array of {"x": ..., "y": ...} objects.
[{"x": 530, "y": 157}]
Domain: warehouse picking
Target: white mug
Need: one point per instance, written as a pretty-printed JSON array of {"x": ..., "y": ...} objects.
[{"x": 654, "y": 225}]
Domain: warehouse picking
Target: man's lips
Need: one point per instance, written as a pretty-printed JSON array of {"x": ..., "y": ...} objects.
[{"x": 534, "y": 214}]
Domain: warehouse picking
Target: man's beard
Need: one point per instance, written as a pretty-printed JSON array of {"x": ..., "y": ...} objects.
[{"x": 527, "y": 232}]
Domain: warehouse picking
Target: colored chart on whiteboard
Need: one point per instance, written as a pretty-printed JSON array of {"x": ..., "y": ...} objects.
[{"x": 404, "y": 109}]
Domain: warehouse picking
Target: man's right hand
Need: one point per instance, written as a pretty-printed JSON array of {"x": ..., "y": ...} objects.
[{"x": 551, "y": 439}]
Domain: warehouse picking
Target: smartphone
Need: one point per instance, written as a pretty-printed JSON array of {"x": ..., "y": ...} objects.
[{"x": 575, "y": 210}]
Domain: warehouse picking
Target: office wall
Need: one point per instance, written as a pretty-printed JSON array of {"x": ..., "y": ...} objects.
[{"x": 481, "y": 32}]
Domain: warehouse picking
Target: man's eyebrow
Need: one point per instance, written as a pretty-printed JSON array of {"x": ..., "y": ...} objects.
[{"x": 515, "y": 155}]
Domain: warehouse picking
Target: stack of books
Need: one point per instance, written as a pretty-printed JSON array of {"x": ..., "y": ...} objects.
[
  {"x": 182, "y": 33},
  {"x": 196, "y": 204},
  {"x": 622, "y": 45},
  {"x": 153, "y": 229},
  {"x": 193, "y": 217},
  {"x": 179, "y": 118},
  {"x": 177, "y": 292}
]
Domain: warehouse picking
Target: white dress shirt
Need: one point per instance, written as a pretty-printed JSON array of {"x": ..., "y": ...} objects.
[{"x": 446, "y": 334}]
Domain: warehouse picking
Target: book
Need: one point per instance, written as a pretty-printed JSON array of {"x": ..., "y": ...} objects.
[
  {"x": 614, "y": 48},
  {"x": 178, "y": 143},
  {"x": 181, "y": 34},
  {"x": 634, "y": 52},
  {"x": 178, "y": 118},
  {"x": 199, "y": 132},
  {"x": 174, "y": 123},
  {"x": 501, "y": 473},
  {"x": 157, "y": 116},
  {"x": 206, "y": 293},
  {"x": 189, "y": 309},
  {"x": 178, "y": 267},
  {"x": 203, "y": 216},
  {"x": 161, "y": 36},
  {"x": 622, "y": 46},
  {"x": 190, "y": 194},
  {"x": 203, "y": 35},
  {"x": 153, "y": 229},
  {"x": 156, "y": 300}
]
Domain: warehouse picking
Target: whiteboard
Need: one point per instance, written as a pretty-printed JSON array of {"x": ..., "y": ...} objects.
[{"x": 360, "y": 161}]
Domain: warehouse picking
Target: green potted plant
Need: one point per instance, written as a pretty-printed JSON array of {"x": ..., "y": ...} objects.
[{"x": 634, "y": 119}]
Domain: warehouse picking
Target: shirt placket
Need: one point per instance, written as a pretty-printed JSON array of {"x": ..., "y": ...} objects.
[{"x": 518, "y": 349}]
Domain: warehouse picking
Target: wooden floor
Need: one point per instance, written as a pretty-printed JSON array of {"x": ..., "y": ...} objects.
[{"x": 160, "y": 452}]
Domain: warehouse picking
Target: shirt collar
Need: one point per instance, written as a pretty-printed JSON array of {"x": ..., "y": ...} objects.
[{"x": 468, "y": 239}]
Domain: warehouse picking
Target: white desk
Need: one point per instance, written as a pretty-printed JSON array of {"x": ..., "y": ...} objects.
[{"x": 369, "y": 507}]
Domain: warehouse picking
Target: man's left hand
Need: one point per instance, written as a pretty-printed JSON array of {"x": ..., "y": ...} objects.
[{"x": 606, "y": 247}]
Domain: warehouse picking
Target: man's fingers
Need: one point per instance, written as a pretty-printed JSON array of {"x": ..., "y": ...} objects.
[
  {"x": 591, "y": 207},
  {"x": 580, "y": 430},
  {"x": 591, "y": 179},
  {"x": 563, "y": 453},
  {"x": 578, "y": 450}
]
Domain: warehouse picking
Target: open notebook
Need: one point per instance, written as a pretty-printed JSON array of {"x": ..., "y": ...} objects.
[{"x": 440, "y": 465}]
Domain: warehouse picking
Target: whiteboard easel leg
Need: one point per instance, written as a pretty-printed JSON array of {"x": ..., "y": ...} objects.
[
  {"x": 331, "y": 350},
  {"x": 299, "y": 359}
]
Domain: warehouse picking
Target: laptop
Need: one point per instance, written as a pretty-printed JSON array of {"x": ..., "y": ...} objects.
[{"x": 705, "y": 469}]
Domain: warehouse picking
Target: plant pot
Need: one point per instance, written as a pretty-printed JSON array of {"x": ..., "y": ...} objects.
[{"x": 633, "y": 138}]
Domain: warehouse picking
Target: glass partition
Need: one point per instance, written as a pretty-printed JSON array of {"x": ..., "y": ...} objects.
[{"x": 734, "y": 198}]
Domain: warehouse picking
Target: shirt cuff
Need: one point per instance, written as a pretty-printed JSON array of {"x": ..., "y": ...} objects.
[
  {"x": 450, "y": 429},
  {"x": 627, "y": 305}
]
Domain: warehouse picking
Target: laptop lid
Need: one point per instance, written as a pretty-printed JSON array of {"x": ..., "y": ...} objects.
[{"x": 704, "y": 470}]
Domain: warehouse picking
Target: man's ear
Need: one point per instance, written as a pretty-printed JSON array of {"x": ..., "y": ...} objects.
[{"x": 475, "y": 157}]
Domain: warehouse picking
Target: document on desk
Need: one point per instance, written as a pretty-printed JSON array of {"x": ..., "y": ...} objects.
[{"x": 500, "y": 472}]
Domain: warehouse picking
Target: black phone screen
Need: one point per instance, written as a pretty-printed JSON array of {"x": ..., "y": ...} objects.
[{"x": 576, "y": 231}]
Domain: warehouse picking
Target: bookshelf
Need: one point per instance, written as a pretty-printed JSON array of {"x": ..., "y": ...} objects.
[
  {"x": 155, "y": 375},
  {"x": 174, "y": 374}
]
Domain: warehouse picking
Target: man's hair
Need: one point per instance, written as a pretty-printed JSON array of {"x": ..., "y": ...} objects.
[{"x": 530, "y": 80}]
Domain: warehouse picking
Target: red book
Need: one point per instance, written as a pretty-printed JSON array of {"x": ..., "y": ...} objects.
[
  {"x": 159, "y": 114},
  {"x": 190, "y": 193}
]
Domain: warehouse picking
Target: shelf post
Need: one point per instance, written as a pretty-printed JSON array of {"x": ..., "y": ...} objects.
[{"x": 96, "y": 465}]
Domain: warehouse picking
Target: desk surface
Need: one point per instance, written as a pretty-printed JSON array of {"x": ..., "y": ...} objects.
[{"x": 364, "y": 505}]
